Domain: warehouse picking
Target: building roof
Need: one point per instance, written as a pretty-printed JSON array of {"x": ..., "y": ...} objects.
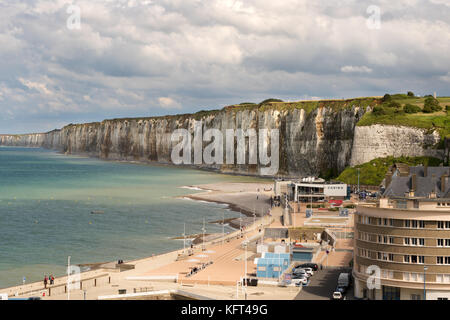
[
  {"x": 276, "y": 233},
  {"x": 427, "y": 180}
]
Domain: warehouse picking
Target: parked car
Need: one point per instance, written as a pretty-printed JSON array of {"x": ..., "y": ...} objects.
[
  {"x": 299, "y": 281},
  {"x": 309, "y": 270},
  {"x": 338, "y": 296},
  {"x": 311, "y": 265},
  {"x": 301, "y": 272},
  {"x": 341, "y": 289},
  {"x": 299, "y": 275}
]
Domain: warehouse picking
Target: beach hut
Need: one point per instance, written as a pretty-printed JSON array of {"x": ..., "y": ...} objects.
[{"x": 272, "y": 265}]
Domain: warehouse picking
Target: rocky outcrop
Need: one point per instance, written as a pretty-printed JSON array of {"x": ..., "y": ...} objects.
[
  {"x": 379, "y": 141},
  {"x": 323, "y": 140}
]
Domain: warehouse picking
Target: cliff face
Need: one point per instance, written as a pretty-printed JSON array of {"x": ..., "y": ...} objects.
[
  {"x": 321, "y": 141},
  {"x": 378, "y": 141}
]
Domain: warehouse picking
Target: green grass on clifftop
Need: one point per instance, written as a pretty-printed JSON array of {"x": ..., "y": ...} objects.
[
  {"x": 439, "y": 120},
  {"x": 373, "y": 172}
]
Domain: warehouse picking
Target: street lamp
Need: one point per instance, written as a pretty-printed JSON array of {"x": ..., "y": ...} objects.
[
  {"x": 425, "y": 268},
  {"x": 358, "y": 179}
]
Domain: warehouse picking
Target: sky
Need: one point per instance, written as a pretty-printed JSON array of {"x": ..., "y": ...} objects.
[{"x": 67, "y": 62}]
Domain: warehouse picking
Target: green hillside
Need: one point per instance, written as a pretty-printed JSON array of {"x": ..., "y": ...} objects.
[
  {"x": 419, "y": 112},
  {"x": 373, "y": 172}
]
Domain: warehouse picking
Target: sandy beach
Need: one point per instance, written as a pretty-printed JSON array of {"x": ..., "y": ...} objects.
[{"x": 248, "y": 198}]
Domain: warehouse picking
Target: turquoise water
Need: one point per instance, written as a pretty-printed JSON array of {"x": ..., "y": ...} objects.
[{"x": 46, "y": 201}]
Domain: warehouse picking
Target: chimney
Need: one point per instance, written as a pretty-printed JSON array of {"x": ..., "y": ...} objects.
[
  {"x": 425, "y": 170},
  {"x": 413, "y": 182}
]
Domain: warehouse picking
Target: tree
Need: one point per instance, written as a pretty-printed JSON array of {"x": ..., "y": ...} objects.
[
  {"x": 410, "y": 94},
  {"x": 411, "y": 108},
  {"x": 387, "y": 97},
  {"x": 433, "y": 104}
]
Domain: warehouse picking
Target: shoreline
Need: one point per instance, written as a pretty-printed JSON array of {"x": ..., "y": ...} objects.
[{"x": 247, "y": 222}]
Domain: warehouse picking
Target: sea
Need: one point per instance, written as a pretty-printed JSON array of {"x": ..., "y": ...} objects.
[{"x": 47, "y": 200}]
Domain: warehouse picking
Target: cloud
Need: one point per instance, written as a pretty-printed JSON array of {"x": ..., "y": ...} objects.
[
  {"x": 168, "y": 103},
  {"x": 141, "y": 58},
  {"x": 41, "y": 87},
  {"x": 356, "y": 69}
]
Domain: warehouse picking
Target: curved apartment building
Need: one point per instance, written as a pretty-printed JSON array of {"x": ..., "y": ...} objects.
[{"x": 402, "y": 243}]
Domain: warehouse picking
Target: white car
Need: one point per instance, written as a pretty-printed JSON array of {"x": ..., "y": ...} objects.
[
  {"x": 338, "y": 296},
  {"x": 309, "y": 271},
  {"x": 301, "y": 272},
  {"x": 300, "y": 281}
]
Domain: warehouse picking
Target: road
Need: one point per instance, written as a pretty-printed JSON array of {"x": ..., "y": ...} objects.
[{"x": 322, "y": 285}]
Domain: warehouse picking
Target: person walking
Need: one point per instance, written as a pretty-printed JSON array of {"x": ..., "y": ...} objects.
[
  {"x": 45, "y": 281},
  {"x": 52, "y": 279}
]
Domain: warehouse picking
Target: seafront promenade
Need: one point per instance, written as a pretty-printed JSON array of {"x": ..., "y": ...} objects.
[
  {"x": 210, "y": 270},
  {"x": 225, "y": 255}
]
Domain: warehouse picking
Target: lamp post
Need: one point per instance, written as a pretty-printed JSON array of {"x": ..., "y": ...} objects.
[
  {"x": 425, "y": 268},
  {"x": 358, "y": 179},
  {"x": 69, "y": 280}
]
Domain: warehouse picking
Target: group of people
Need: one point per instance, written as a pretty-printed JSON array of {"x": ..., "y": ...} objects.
[
  {"x": 50, "y": 279},
  {"x": 194, "y": 270}
]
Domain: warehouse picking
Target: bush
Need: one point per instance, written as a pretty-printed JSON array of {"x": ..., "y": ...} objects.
[
  {"x": 433, "y": 104},
  {"x": 378, "y": 111},
  {"x": 387, "y": 97},
  {"x": 411, "y": 108},
  {"x": 447, "y": 108},
  {"x": 427, "y": 109},
  {"x": 410, "y": 94},
  {"x": 394, "y": 104}
]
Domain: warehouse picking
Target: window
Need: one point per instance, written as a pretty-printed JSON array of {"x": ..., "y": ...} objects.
[
  {"x": 442, "y": 260},
  {"x": 406, "y": 241},
  {"x": 391, "y": 240},
  {"x": 387, "y": 274},
  {"x": 443, "y": 224},
  {"x": 440, "y": 242},
  {"x": 414, "y": 241},
  {"x": 401, "y": 204},
  {"x": 391, "y": 257},
  {"x": 447, "y": 242},
  {"x": 442, "y": 298},
  {"x": 415, "y": 297},
  {"x": 407, "y": 223},
  {"x": 443, "y": 278},
  {"x": 416, "y": 259},
  {"x": 421, "y": 241},
  {"x": 406, "y": 259}
]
